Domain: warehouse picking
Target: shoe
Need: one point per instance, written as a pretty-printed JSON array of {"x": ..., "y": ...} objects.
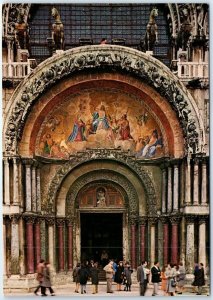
[
  {"x": 52, "y": 294},
  {"x": 109, "y": 292},
  {"x": 44, "y": 295},
  {"x": 153, "y": 294},
  {"x": 36, "y": 293},
  {"x": 179, "y": 293},
  {"x": 81, "y": 292},
  {"x": 198, "y": 294},
  {"x": 85, "y": 292}
]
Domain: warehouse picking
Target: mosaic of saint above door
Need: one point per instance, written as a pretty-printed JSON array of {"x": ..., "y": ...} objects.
[{"x": 101, "y": 119}]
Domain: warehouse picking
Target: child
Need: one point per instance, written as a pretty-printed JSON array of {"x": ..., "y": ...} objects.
[{"x": 127, "y": 277}]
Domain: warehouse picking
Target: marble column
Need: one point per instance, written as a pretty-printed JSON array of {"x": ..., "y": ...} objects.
[
  {"x": 4, "y": 246},
  {"x": 34, "y": 208},
  {"x": 176, "y": 188},
  {"x": 37, "y": 240},
  {"x": 202, "y": 240},
  {"x": 70, "y": 244},
  {"x": 190, "y": 243},
  {"x": 60, "y": 223},
  {"x": 165, "y": 222},
  {"x": 51, "y": 223},
  {"x": 188, "y": 181},
  {"x": 152, "y": 240},
  {"x": 30, "y": 244},
  {"x": 15, "y": 181},
  {"x": 28, "y": 185},
  {"x": 164, "y": 185},
  {"x": 174, "y": 239},
  {"x": 204, "y": 183},
  {"x": 6, "y": 181},
  {"x": 169, "y": 190},
  {"x": 38, "y": 189},
  {"x": 196, "y": 182},
  {"x": 142, "y": 222},
  {"x": 133, "y": 242},
  {"x": 14, "y": 244}
]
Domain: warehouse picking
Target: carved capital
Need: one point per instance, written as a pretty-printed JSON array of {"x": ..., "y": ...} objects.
[
  {"x": 28, "y": 161},
  {"x": 30, "y": 219},
  {"x": 153, "y": 220},
  {"x": 143, "y": 221},
  {"x": 202, "y": 219},
  {"x": 190, "y": 219},
  {"x": 69, "y": 221},
  {"x": 50, "y": 220},
  {"x": 133, "y": 220},
  {"x": 175, "y": 219},
  {"x": 164, "y": 219},
  {"x": 60, "y": 222},
  {"x": 15, "y": 218},
  {"x": 39, "y": 220}
]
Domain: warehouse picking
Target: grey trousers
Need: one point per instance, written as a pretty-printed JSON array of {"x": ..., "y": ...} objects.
[
  {"x": 155, "y": 290},
  {"x": 109, "y": 285}
]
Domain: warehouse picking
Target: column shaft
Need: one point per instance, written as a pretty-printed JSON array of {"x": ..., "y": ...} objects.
[
  {"x": 28, "y": 188},
  {"x": 174, "y": 243},
  {"x": 5, "y": 248},
  {"x": 204, "y": 185},
  {"x": 176, "y": 189},
  {"x": 6, "y": 182},
  {"x": 152, "y": 245},
  {"x": 190, "y": 247},
  {"x": 195, "y": 190},
  {"x": 15, "y": 182},
  {"x": 37, "y": 242},
  {"x": 202, "y": 243},
  {"x": 142, "y": 235},
  {"x": 38, "y": 190},
  {"x": 30, "y": 248},
  {"x": 34, "y": 189},
  {"x": 164, "y": 184},
  {"x": 70, "y": 247},
  {"x": 14, "y": 246},
  {"x": 133, "y": 246},
  {"x": 165, "y": 243},
  {"x": 61, "y": 247},
  {"x": 169, "y": 194},
  {"x": 51, "y": 244},
  {"x": 188, "y": 182}
]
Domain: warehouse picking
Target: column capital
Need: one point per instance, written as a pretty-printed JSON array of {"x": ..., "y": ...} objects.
[
  {"x": 175, "y": 162},
  {"x": 133, "y": 219},
  {"x": 175, "y": 219},
  {"x": 142, "y": 220},
  {"x": 196, "y": 160},
  {"x": 27, "y": 161},
  {"x": 30, "y": 219},
  {"x": 69, "y": 221},
  {"x": 15, "y": 218},
  {"x": 60, "y": 221},
  {"x": 153, "y": 220},
  {"x": 39, "y": 219},
  {"x": 164, "y": 219},
  {"x": 16, "y": 159},
  {"x": 50, "y": 220},
  {"x": 202, "y": 219},
  {"x": 190, "y": 219}
]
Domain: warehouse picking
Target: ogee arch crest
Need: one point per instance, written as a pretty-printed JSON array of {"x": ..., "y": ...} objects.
[{"x": 99, "y": 58}]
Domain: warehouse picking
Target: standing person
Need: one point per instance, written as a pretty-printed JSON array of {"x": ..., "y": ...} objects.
[
  {"x": 109, "y": 275},
  {"x": 40, "y": 276},
  {"x": 76, "y": 277},
  {"x": 171, "y": 276},
  {"x": 46, "y": 283},
  {"x": 142, "y": 277},
  {"x": 115, "y": 266},
  {"x": 181, "y": 278},
  {"x": 83, "y": 277},
  {"x": 155, "y": 271},
  {"x": 164, "y": 280},
  {"x": 127, "y": 275},
  {"x": 200, "y": 279},
  {"x": 119, "y": 275},
  {"x": 196, "y": 271},
  {"x": 94, "y": 277}
]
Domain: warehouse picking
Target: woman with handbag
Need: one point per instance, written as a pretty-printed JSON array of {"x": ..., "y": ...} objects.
[{"x": 171, "y": 274}]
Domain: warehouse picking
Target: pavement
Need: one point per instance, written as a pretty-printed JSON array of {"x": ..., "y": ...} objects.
[{"x": 69, "y": 290}]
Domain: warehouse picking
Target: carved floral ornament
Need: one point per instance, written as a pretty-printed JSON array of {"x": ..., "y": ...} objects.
[
  {"x": 100, "y": 154},
  {"x": 136, "y": 63}
]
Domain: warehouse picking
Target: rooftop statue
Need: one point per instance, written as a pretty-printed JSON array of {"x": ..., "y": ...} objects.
[
  {"x": 151, "y": 36},
  {"x": 57, "y": 30}
]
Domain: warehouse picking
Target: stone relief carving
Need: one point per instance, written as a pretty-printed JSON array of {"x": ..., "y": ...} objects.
[
  {"x": 95, "y": 154},
  {"x": 67, "y": 64}
]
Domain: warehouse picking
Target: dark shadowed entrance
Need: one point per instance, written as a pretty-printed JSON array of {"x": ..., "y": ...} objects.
[{"x": 101, "y": 231}]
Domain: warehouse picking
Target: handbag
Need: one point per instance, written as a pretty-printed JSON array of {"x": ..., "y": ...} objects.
[{"x": 173, "y": 282}]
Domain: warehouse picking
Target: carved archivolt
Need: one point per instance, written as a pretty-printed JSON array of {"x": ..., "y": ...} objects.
[
  {"x": 128, "y": 190},
  {"x": 103, "y": 154},
  {"x": 124, "y": 59}
]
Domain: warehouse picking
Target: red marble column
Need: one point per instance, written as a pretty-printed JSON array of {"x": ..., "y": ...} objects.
[
  {"x": 133, "y": 245},
  {"x": 37, "y": 241},
  {"x": 174, "y": 242},
  {"x": 142, "y": 239},
  {"x": 165, "y": 241},
  {"x": 70, "y": 246},
  {"x": 30, "y": 245},
  {"x": 60, "y": 223}
]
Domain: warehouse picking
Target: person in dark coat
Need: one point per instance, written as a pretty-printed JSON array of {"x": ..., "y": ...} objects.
[
  {"x": 194, "y": 283},
  {"x": 200, "y": 278},
  {"x": 76, "y": 277},
  {"x": 142, "y": 277},
  {"x": 127, "y": 277},
  {"x": 94, "y": 277},
  {"x": 155, "y": 271},
  {"x": 40, "y": 277},
  {"x": 119, "y": 275},
  {"x": 83, "y": 277},
  {"x": 46, "y": 283}
]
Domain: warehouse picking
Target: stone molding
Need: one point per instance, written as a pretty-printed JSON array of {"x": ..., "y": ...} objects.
[
  {"x": 97, "y": 58},
  {"x": 104, "y": 154}
]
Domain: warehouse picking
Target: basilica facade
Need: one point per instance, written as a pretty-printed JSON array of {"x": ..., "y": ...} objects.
[{"x": 105, "y": 145}]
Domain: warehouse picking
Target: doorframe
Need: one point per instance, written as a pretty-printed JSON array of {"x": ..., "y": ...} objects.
[{"x": 125, "y": 233}]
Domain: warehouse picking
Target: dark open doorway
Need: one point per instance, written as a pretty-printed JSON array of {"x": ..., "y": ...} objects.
[{"x": 101, "y": 232}]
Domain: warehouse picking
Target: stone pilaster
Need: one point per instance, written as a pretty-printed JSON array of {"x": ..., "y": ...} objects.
[
  {"x": 15, "y": 181},
  {"x": 188, "y": 181},
  {"x": 28, "y": 184},
  {"x": 70, "y": 244},
  {"x": 176, "y": 188},
  {"x": 30, "y": 243},
  {"x": 163, "y": 185},
  {"x": 204, "y": 183},
  {"x": 15, "y": 243},
  {"x": 4, "y": 246},
  {"x": 165, "y": 222},
  {"x": 37, "y": 240},
  {"x": 6, "y": 181},
  {"x": 51, "y": 246},
  {"x": 169, "y": 190},
  {"x": 34, "y": 196},
  {"x": 38, "y": 189},
  {"x": 60, "y": 224},
  {"x": 133, "y": 241},
  {"x": 142, "y": 226},
  {"x": 190, "y": 243},
  {"x": 196, "y": 182},
  {"x": 202, "y": 240}
]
